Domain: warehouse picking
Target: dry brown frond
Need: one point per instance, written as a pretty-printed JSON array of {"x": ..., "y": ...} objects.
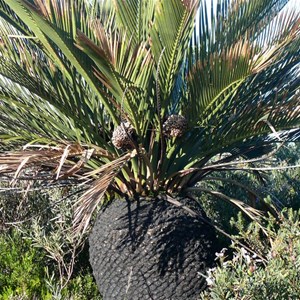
[
  {"x": 88, "y": 202},
  {"x": 86, "y": 155},
  {"x": 251, "y": 212},
  {"x": 46, "y": 158},
  {"x": 103, "y": 51}
]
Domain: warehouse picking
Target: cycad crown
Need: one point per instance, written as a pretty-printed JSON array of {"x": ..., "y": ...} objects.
[{"x": 231, "y": 70}]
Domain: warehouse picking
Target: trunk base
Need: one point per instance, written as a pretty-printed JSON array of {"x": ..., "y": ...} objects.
[{"x": 151, "y": 250}]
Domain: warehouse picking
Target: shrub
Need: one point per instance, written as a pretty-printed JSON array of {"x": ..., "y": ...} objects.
[
  {"x": 247, "y": 276},
  {"x": 24, "y": 274},
  {"x": 82, "y": 287},
  {"x": 22, "y": 269},
  {"x": 39, "y": 257}
]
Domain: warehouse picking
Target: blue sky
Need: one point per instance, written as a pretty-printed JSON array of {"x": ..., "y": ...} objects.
[{"x": 294, "y": 4}]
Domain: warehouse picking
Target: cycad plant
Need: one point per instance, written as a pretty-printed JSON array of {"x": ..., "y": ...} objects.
[{"x": 139, "y": 102}]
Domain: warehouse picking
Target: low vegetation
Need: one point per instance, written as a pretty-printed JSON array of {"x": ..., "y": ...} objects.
[
  {"x": 39, "y": 260},
  {"x": 246, "y": 275}
]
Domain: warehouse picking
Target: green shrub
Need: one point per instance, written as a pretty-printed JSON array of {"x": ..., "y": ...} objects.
[
  {"x": 247, "y": 275},
  {"x": 281, "y": 187},
  {"x": 39, "y": 258},
  {"x": 24, "y": 274},
  {"x": 22, "y": 269},
  {"x": 82, "y": 287}
]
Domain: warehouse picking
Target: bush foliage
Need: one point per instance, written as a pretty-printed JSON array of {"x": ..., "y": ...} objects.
[
  {"x": 38, "y": 257},
  {"x": 247, "y": 275},
  {"x": 25, "y": 274},
  {"x": 22, "y": 272}
]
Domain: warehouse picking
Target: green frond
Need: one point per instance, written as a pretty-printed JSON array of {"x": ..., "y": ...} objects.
[
  {"x": 45, "y": 32},
  {"x": 72, "y": 72},
  {"x": 134, "y": 17},
  {"x": 124, "y": 71},
  {"x": 218, "y": 64},
  {"x": 170, "y": 36},
  {"x": 222, "y": 23}
]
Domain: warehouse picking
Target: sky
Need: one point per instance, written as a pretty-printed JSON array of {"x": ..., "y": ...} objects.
[{"x": 294, "y": 4}]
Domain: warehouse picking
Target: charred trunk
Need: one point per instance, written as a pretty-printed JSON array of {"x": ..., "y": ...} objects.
[{"x": 151, "y": 249}]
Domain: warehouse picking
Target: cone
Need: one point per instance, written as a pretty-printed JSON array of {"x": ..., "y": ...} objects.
[
  {"x": 175, "y": 126},
  {"x": 122, "y": 137}
]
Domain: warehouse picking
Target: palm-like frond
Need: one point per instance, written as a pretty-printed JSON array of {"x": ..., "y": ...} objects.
[
  {"x": 170, "y": 36},
  {"x": 72, "y": 71},
  {"x": 134, "y": 17}
]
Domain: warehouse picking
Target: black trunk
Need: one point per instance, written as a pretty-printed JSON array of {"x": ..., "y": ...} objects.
[{"x": 150, "y": 250}]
